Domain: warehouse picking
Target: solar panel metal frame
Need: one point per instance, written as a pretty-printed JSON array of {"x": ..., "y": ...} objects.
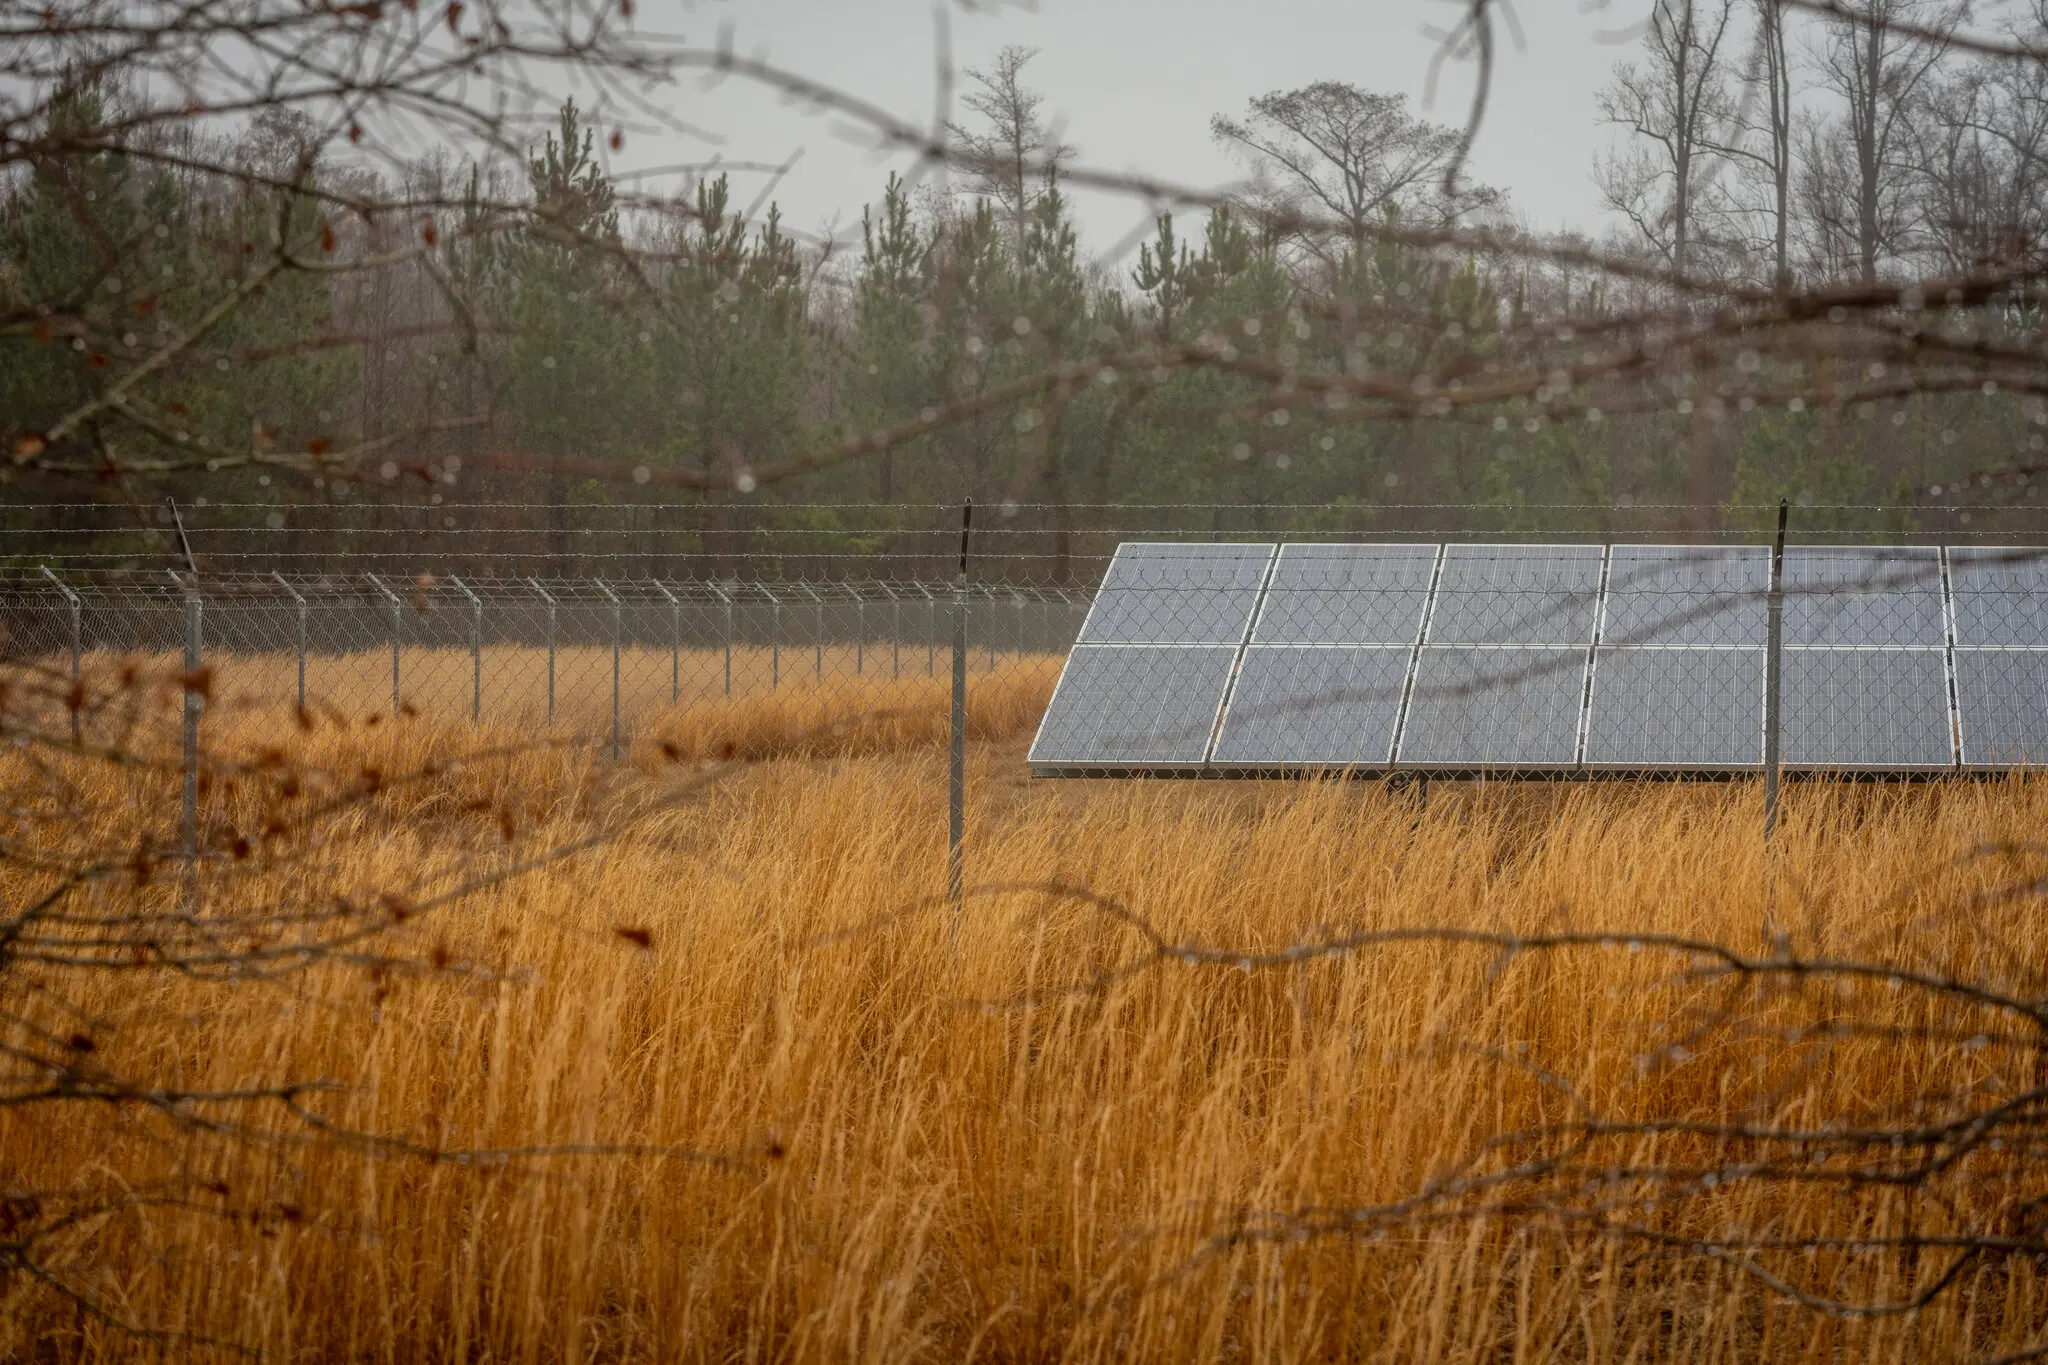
[{"x": 1071, "y": 766}]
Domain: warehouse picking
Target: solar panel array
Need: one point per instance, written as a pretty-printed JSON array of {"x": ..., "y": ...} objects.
[{"x": 1232, "y": 658}]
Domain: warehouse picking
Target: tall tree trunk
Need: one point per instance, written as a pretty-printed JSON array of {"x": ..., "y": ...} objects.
[
  {"x": 1867, "y": 168},
  {"x": 1778, "y": 72}
]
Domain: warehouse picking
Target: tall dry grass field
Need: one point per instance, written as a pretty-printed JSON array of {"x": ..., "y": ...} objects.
[{"x": 890, "y": 1133}]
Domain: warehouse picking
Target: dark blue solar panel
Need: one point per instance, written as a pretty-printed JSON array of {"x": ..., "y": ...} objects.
[
  {"x": 1869, "y": 595},
  {"x": 1177, "y": 594},
  {"x": 1687, "y": 595},
  {"x": 1516, "y": 595},
  {"x": 1494, "y": 708},
  {"x": 1134, "y": 705},
  {"x": 1346, "y": 595},
  {"x": 2002, "y": 695},
  {"x": 1682, "y": 708},
  {"x": 2001, "y": 597},
  {"x": 1866, "y": 708},
  {"x": 1298, "y": 704}
]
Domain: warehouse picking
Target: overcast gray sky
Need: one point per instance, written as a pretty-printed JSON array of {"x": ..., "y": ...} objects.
[{"x": 1135, "y": 82}]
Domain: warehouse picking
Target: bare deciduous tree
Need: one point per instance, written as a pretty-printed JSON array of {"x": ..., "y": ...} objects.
[
  {"x": 1761, "y": 145},
  {"x": 1984, "y": 165},
  {"x": 1677, "y": 105},
  {"x": 1859, "y": 169}
]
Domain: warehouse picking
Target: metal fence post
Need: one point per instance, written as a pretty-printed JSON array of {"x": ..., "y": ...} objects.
[
  {"x": 397, "y": 619},
  {"x": 476, "y": 651},
  {"x": 818, "y": 634},
  {"x": 774, "y": 639},
  {"x": 895, "y": 633},
  {"x": 1774, "y": 674},
  {"x": 548, "y": 598},
  {"x": 675, "y": 643},
  {"x": 300, "y": 605},
  {"x": 618, "y": 625},
  {"x": 727, "y": 601},
  {"x": 188, "y": 816},
  {"x": 77, "y": 698},
  {"x": 956, "y": 792},
  {"x": 860, "y": 635},
  {"x": 931, "y": 629}
]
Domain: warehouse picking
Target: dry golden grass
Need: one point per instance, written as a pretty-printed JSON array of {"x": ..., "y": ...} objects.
[
  {"x": 910, "y": 1177},
  {"x": 442, "y": 684}
]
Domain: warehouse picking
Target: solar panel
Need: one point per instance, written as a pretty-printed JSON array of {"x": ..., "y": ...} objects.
[
  {"x": 1346, "y": 595},
  {"x": 1676, "y": 708},
  {"x": 1305, "y": 705},
  {"x": 2002, "y": 695},
  {"x": 2001, "y": 597},
  {"x": 1687, "y": 595},
  {"x": 1865, "y": 595},
  {"x": 1866, "y": 708},
  {"x": 1494, "y": 708},
  {"x": 1516, "y": 595},
  {"x": 1134, "y": 706},
  {"x": 1475, "y": 657},
  {"x": 1158, "y": 594}
]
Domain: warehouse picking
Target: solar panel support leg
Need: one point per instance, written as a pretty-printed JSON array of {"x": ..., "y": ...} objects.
[{"x": 1774, "y": 674}]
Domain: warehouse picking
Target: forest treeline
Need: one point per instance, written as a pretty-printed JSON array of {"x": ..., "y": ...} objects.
[{"x": 481, "y": 336}]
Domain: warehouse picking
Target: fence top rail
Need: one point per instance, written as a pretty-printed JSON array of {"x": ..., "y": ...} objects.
[
  {"x": 104, "y": 591},
  {"x": 425, "y": 592}
]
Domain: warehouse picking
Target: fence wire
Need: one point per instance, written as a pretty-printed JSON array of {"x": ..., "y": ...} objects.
[
  {"x": 1221, "y": 658},
  {"x": 599, "y": 657}
]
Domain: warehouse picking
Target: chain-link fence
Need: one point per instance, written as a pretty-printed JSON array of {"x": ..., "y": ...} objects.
[
  {"x": 1219, "y": 658},
  {"x": 597, "y": 657},
  {"x": 384, "y": 531}
]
